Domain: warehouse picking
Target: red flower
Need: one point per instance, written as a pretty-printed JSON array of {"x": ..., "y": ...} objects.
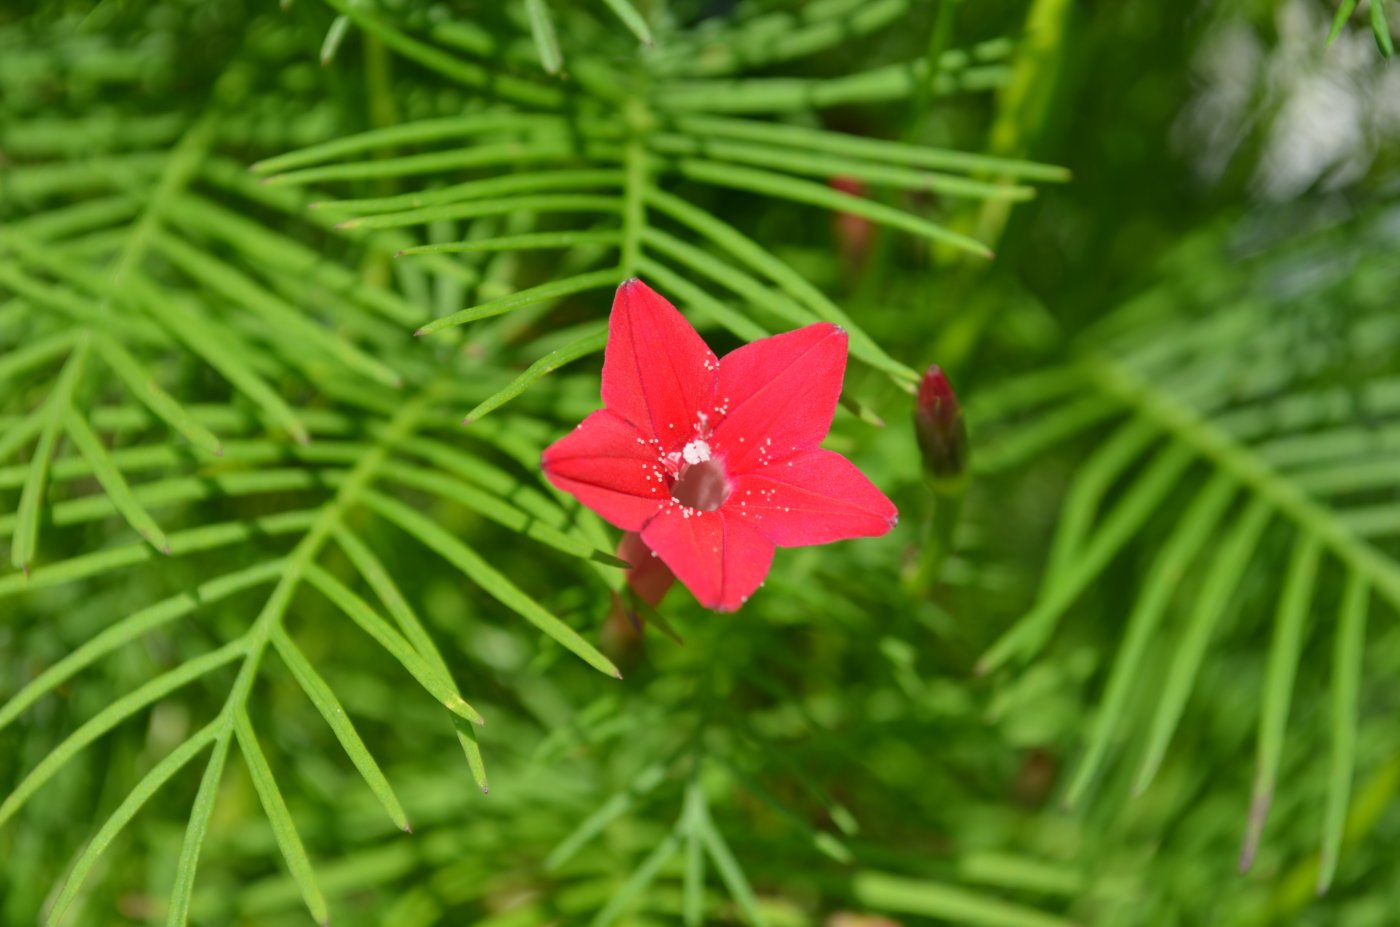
[{"x": 716, "y": 462}]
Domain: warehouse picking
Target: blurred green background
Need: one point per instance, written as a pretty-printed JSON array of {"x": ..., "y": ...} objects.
[{"x": 1149, "y": 642}]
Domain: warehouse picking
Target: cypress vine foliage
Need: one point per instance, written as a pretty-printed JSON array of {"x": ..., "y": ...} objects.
[{"x": 292, "y": 298}]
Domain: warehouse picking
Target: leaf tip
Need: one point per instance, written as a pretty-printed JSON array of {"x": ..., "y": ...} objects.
[
  {"x": 467, "y": 420},
  {"x": 406, "y": 827},
  {"x": 165, "y": 549},
  {"x": 420, "y": 333},
  {"x": 219, "y": 449}
]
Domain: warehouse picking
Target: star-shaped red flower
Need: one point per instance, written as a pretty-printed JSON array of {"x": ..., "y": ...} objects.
[{"x": 716, "y": 461}]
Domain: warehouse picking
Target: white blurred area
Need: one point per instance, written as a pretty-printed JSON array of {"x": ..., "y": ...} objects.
[{"x": 1318, "y": 115}]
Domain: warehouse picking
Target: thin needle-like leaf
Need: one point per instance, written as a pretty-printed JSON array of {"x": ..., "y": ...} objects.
[
  {"x": 1339, "y": 20},
  {"x": 1195, "y": 528},
  {"x": 643, "y": 784},
  {"x": 581, "y": 347},
  {"x": 379, "y": 580},
  {"x": 217, "y": 348},
  {"x": 200, "y": 814},
  {"x": 111, "y": 716},
  {"x": 1348, "y": 652},
  {"x": 729, "y": 871},
  {"x": 1284, "y": 653},
  {"x": 545, "y": 292},
  {"x": 329, "y": 706},
  {"x": 131, "y": 627},
  {"x": 50, "y": 422},
  {"x": 815, "y": 194},
  {"x": 632, "y": 19},
  {"x": 143, "y": 386},
  {"x": 488, "y": 578},
  {"x": 639, "y": 881},
  {"x": 1216, "y": 591},
  {"x": 283, "y": 828},
  {"x": 526, "y": 242},
  {"x": 546, "y": 39},
  {"x": 150, "y": 783},
  {"x": 376, "y": 627},
  {"x": 113, "y": 483},
  {"x": 17, "y": 360},
  {"x": 1030, "y": 633},
  {"x": 693, "y": 884},
  {"x": 950, "y": 903}
]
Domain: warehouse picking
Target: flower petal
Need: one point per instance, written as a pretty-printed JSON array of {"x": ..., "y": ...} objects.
[
  {"x": 610, "y": 467},
  {"x": 813, "y": 497},
  {"x": 658, "y": 373},
  {"x": 721, "y": 559},
  {"x": 779, "y": 394}
]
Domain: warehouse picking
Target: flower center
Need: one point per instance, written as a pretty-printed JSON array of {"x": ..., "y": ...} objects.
[{"x": 701, "y": 484}]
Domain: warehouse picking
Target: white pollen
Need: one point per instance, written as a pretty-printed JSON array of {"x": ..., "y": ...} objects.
[{"x": 696, "y": 451}]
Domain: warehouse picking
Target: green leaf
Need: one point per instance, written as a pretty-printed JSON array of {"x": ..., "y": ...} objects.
[
  {"x": 408, "y": 133},
  {"x": 764, "y": 262},
  {"x": 115, "y": 485},
  {"x": 217, "y": 347},
  {"x": 17, "y": 360},
  {"x": 1218, "y": 587},
  {"x": 815, "y": 194},
  {"x": 488, "y": 578},
  {"x": 526, "y": 242},
  {"x": 545, "y": 292},
  {"x": 1339, "y": 20},
  {"x": 451, "y": 66},
  {"x": 321, "y": 695},
  {"x": 632, "y": 19},
  {"x": 376, "y": 627},
  {"x": 693, "y": 884},
  {"x": 500, "y": 512},
  {"x": 643, "y": 784},
  {"x": 949, "y": 903},
  {"x": 546, "y": 41},
  {"x": 144, "y": 388},
  {"x": 207, "y": 537},
  {"x": 50, "y": 423},
  {"x": 134, "y": 625},
  {"x": 580, "y": 347},
  {"x": 150, "y": 783},
  {"x": 1196, "y": 526},
  {"x": 1348, "y": 654},
  {"x": 379, "y": 580},
  {"x": 284, "y": 318},
  {"x": 197, "y": 829},
  {"x": 1031, "y": 632},
  {"x": 283, "y": 828},
  {"x": 728, "y": 868},
  {"x": 109, "y": 717},
  {"x": 1284, "y": 654},
  {"x": 492, "y": 187},
  {"x": 472, "y": 209},
  {"x": 860, "y": 146},
  {"x": 638, "y": 883},
  {"x": 334, "y": 36},
  {"x": 818, "y": 164},
  {"x": 524, "y": 151},
  {"x": 1380, "y": 28}
]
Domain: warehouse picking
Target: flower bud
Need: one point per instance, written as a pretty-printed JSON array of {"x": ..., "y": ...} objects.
[{"x": 942, "y": 433}]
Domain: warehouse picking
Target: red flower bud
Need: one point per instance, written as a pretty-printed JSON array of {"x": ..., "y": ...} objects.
[{"x": 939, "y": 426}]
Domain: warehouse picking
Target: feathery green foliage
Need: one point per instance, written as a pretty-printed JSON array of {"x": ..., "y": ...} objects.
[{"x": 291, "y": 300}]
